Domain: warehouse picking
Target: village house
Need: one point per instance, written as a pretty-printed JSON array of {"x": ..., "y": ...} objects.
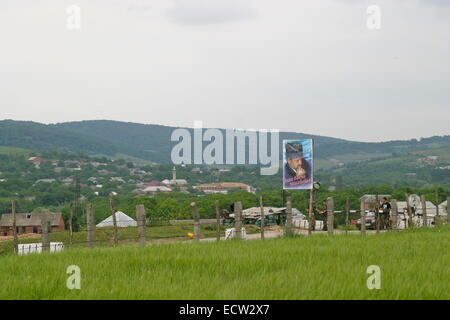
[
  {"x": 224, "y": 187},
  {"x": 67, "y": 181},
  {"x": 44, "y": 180},
  {"x": 428, "y": 159},
  {"x": 28, "y": 223},
  {"x": 95, "y": 164},
  {"x": 154, "y": 183},
  {"x": 196, "y": 170},
  {"x": 35, "y": 160},
  {"x": 174, "y": 182},
  {"x": 73, "y": 162},
  {"x": 155, "y": 189},
  {"x": 104, "y": 172}
]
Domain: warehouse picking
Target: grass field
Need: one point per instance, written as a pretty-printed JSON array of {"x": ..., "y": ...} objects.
[
  {"x": 13, "y": 150},
  {"x": 414, "y": 265}
]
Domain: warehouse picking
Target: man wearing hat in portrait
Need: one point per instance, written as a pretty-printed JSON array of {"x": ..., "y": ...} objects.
[{"x": 297, "y": 170}]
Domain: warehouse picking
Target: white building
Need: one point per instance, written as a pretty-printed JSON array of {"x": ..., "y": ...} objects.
[
  {"x": 174, "y": 182},
  {"x": 156, "y": 189}
]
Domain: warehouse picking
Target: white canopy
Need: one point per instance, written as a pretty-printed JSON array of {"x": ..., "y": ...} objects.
[{"x": 122, "y": 221}]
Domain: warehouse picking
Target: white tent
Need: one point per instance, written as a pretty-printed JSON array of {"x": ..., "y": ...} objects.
[
  {"x": 122, "y": 221},
  {"x": 443, "y": 207},
  {"x": 431, "y": 208}
]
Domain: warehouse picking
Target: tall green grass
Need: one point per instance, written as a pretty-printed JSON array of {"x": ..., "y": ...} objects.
[{"x": 414, "y": 265}]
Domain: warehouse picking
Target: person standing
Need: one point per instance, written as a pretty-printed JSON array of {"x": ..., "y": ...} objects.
[
  {"x": 313, "y": 219},
  {"x": 386, "y": 206}
]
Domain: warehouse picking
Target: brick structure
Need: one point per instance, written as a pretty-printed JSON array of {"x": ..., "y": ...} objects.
[{"x": 28, "y": 223}]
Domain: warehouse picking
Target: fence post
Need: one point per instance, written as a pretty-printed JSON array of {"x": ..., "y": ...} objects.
[
  {"x": 141, "y": 223},
  {"x": 408, "y": 208},
  {"x": 330, "y": 215},
  {"x": 377, "y": 214},
  {"x": 424, "y": 211},
  {"x": 288, "y": 226},
  {"x": 262, "y": 216},
  {"x": 70, "y": 225},
  {"x": 90, "y": 225},
  {"x": 363, "y": 217},
  {"x": 16, "y": 237},
  {"x": 196, "y": 221},
  {"x": 113, "y": 213},
  {"x": 238, "y": 219},
  {"x": 394, "y": 214},
  {"x": 217, "y": 221},
  {"x": 347, "y": 211},
  {"x": 448, "y": 210},
  {"x": 311, "y": 210},
  {"x": 438, "y": 222},
  {"x": 45, "y": 228}
]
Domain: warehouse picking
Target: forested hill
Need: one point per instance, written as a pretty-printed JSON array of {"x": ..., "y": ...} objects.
[{"x": 152, "y": 142}]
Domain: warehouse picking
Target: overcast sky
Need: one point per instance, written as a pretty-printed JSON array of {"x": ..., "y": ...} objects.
[{"x": 306, "y": 66}]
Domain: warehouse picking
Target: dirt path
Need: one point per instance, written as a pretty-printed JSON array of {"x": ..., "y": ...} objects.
[{"x": 275, "y": 232}]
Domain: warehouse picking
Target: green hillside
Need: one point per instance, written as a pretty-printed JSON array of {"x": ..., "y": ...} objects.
[
  {"x": 152, "y": 142},
  {"x": 412, "y": 169}
]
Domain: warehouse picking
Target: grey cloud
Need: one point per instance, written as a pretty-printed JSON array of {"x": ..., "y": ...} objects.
[
  {"x": 198, "y": 12},
  {"x": 444, "y": 3}
]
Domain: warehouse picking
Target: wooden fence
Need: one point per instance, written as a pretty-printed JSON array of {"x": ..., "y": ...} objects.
[{"x": 368, "y": 219}]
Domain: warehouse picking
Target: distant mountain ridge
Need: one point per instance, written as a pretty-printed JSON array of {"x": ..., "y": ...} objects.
[{"x": 152, "y": 142}]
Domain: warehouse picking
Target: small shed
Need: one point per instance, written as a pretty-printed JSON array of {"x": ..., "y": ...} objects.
[{"x": 122, "y": 221}]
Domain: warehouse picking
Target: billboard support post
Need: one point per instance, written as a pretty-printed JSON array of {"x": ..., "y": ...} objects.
[{"x": 311, "y": 196}]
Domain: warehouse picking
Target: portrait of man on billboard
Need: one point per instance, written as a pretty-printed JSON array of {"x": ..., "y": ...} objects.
[{"x": 297, "y": 164}]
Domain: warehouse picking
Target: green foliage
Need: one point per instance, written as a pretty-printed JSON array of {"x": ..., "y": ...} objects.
[{"x": 20, "y": 183}]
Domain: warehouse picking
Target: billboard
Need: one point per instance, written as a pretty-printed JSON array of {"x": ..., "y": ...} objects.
[{"x": 297, "y": 164}]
